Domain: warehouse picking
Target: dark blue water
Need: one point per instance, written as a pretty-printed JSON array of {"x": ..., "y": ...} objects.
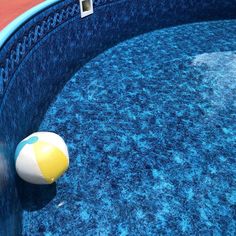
[{"x": 151, "y": 129}]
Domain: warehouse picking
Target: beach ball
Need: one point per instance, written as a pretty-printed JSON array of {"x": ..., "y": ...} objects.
[{"x": 41, "y": 158}]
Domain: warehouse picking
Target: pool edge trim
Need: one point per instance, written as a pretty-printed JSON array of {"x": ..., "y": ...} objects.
[{"x": 9, "y": 30}]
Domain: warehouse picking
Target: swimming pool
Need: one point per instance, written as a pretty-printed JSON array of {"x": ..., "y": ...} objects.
[{"x": 147, "y": 109}]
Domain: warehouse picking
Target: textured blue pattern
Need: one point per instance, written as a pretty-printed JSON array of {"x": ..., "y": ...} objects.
[
  {"x": 40, "y": 29},
  {"x": 151, "y": 130},
  {"x": 32, "y": 37},
  {"x": 58, "y": 47}
]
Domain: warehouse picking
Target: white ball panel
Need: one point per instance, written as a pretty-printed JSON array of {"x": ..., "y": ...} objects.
[{"x": 27, "y": 167}]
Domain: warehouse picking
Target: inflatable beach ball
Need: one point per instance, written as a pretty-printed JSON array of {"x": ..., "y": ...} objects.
[{"x": 41, "y": 158}]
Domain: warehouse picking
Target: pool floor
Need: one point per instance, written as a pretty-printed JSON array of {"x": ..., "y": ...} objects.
[{"x": 151, "y": 130}]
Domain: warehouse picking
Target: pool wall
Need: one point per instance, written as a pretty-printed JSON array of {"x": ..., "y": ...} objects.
[{"x": 47, "y": 49}]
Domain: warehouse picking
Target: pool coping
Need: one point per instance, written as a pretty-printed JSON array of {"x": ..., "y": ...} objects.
[{"x": 9, "y": 30}]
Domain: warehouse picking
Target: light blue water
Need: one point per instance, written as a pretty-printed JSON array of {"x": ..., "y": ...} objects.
[{"x": 151, "y": 129}]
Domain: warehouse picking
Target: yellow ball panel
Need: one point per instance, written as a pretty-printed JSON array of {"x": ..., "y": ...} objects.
[{"x": 52, "y": 162}]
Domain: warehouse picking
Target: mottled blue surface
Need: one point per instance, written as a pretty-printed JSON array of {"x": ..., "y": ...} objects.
[
  {"x": 32, "y": 71},
  {"x": 151, "y": 131}
]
